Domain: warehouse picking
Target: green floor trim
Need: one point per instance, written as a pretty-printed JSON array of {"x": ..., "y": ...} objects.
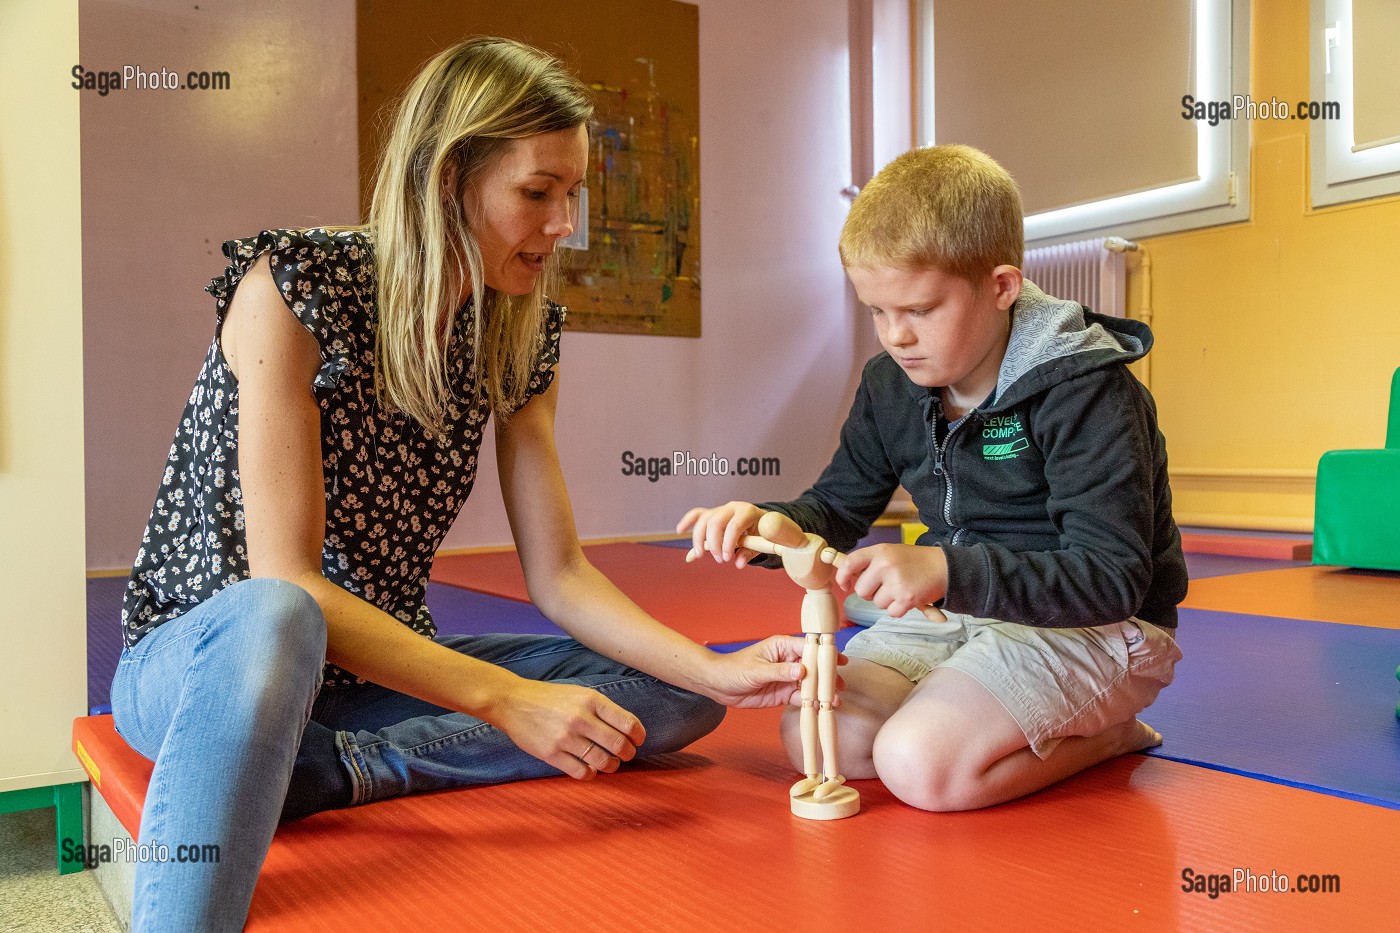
[{"x": 67, "y": 801}]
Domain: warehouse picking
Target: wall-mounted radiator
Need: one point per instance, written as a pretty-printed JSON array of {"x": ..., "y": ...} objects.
[{"x": 1091, "y": 272}]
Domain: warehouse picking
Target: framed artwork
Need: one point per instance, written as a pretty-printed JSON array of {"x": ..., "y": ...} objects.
[{"x": 635, "y": 266}]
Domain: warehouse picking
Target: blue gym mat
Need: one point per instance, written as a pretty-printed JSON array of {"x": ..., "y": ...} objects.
[
  {"x": 1307, "y": 704},
  {"x": 672, "y": 542},
  {"x": 467, "y": 612}
]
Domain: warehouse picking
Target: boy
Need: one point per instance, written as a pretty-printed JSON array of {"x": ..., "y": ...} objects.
[{"x": 1034, "y": 457}]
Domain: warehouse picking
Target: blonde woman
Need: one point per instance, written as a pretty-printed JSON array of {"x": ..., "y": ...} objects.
[{"x": 327, "y": 446}]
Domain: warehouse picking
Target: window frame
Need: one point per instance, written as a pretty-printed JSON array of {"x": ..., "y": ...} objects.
[
  {"x": 1339, "y": 171},
  {"x": 1220, "y": 192}
]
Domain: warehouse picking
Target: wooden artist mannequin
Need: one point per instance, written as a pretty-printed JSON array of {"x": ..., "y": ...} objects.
[{"x": 822, "y": 794}]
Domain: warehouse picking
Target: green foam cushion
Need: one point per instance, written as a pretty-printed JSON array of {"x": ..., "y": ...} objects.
[{"x": 1357, "y": 517}]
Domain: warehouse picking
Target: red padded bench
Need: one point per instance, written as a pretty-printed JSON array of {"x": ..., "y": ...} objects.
[{"x": 118, "y": 773}]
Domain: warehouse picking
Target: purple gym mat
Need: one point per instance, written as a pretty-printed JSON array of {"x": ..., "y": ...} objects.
[
  {"x": 467, "y": 612},
  {"x": 104, "y": 639},
  {"x": 1200, "y": 566},
  {"x": 842, "y": 636},
  {"x": 1307, "y": 704}
]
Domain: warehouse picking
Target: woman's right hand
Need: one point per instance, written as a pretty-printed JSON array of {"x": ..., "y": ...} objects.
[
  {"x": 575, "y": 729},
  {"x": 719, "y": 530}
]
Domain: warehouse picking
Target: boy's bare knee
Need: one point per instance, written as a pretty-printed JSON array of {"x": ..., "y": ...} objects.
[
  {"x": 853, "y": 751},
  {"x": 910, "y": 774},
  {"x": 923, "y": 772}
]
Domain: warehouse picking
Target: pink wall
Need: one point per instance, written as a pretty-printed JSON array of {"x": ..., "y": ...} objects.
[
  {"x": 170, "y": 177},
  {"x": 772, "y": 374}
]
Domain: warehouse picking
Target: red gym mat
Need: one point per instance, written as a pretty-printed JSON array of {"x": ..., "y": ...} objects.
[
  {"x": 702, "y": 841},
  {"x": 708, "y": 602},
  {"x": 705, "y": 842},
  {"x": 1319, "y": 594},
  {"x": 1247, "y": 546}
]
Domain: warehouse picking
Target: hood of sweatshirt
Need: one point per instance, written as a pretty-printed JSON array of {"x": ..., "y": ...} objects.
[{"x": 1053, "y": 340}]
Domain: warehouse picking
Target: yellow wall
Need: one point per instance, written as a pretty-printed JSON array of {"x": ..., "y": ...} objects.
[
  {"x": 43, "y": 664},
  {"x": 1277, "y": 337}
]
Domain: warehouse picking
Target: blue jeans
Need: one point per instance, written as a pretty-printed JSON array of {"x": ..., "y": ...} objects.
[{"x": 225, "y": 700}]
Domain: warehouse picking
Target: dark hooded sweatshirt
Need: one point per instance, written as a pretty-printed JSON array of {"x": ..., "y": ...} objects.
[{"x": 1050, "y": 499}]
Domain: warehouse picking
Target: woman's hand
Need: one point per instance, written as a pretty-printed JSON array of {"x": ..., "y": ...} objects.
[
  {"x": 766, "y": 674},
  {"x": 720, "y": 529},
  {"x": 575, "y": 729}
]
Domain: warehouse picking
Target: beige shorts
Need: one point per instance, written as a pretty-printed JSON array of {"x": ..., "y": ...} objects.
[{"x": 1055, "y": 682}]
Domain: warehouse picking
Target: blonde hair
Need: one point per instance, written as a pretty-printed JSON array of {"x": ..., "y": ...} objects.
[
  {"x": 952, "y": 207},
  {"x": 457, "y": 115}
]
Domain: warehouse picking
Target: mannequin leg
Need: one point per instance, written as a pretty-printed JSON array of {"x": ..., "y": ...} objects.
[
  {"x": 826, "y": 717},
  {"x": 809, "y": 726}
]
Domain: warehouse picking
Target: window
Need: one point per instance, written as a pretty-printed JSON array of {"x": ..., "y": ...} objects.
[
  {"x": 1083, "y": 104},
  {"x": 1352, "y": 51}
]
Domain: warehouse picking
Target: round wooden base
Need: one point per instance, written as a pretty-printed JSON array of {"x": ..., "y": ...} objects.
[{"x": 843, "y": 802}]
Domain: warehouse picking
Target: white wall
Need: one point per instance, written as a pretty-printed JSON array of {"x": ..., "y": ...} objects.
[
  {"x": 893, "y": 78},
  {"x": 43, "y": 672}
]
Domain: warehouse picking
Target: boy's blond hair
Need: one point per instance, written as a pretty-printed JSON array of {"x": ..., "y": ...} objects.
[{"x": 952, "y": 207}]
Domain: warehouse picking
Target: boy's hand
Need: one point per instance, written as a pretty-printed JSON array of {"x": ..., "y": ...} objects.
[
  {"x": 896, "y": 577},
  {"x": 719, "y": 530}
]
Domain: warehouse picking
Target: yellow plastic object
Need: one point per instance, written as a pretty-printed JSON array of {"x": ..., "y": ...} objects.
[{"x": 911, "y": 531}]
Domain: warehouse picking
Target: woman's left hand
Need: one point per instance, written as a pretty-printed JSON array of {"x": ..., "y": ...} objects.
[{"x": 766, "y": 674}]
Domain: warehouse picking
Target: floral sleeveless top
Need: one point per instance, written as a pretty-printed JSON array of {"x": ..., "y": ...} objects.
[{"x": 392, "y": 491}]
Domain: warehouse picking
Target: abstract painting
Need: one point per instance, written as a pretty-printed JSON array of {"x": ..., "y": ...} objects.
[{"x": 637, "y": 270}]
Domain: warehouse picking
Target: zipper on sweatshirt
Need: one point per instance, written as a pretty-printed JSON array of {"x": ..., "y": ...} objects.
[{"x": 940, "y": 469}]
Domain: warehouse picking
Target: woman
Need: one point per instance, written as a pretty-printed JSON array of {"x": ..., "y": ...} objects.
[{"x": 328, "y": 444}]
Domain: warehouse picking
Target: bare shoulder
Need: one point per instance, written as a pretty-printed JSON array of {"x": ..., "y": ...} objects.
[
  {"x": 260, "y": 333},
  {"x": 275, "y": 359}
]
